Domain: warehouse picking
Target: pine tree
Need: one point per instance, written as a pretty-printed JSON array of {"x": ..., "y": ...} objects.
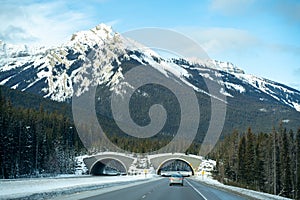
[
  {"x": 286, "y": 166},
  {"x": 298, "y": 164},
  {"x": 233, "y": 155},
  {"x": 250, "y": 158},
  {"x": 292, "y": 149},
  {"x": 2, "y": 130},
  {"x": 242, "y": 160},
  {"x": 278, "y": 168},
  {"x": 260, "y": 173},
  {"x": 269, "y": 164}
]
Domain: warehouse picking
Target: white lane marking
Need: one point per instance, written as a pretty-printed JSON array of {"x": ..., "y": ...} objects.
[{"x": 196, "y": 190}]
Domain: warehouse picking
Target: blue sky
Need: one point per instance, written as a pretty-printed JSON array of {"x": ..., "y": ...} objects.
[{"x": 261, "y": 37}]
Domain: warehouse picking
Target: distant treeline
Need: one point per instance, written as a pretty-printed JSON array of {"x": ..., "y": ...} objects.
[
  {"x": 263, "y": 162},
  {"x": 35, "y": 141}
]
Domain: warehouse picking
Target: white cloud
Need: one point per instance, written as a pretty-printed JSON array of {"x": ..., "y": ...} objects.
[
  {"x": 287, "y": 10},
  {"x": 13, "y": 34},
  {"x": 230, "y": 6},
  {"x": 45, "y": 23},
  {"x": 218, "y": 40},
  {"x": 285, "y": 48}
]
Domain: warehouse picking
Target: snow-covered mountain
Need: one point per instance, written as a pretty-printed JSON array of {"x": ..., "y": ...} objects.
[{"x": 53, "y": 72}]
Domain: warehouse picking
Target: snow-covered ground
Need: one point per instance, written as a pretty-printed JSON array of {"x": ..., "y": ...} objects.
[
  {"x": 40, "y": 188},
  {"x": 250, "y": 193}
]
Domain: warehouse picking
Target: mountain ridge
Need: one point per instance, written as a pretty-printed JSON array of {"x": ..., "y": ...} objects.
[{"x": 107, "y": 55}]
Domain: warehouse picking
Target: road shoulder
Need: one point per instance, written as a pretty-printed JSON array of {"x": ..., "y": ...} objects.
[{"x": 249, "y": 194}]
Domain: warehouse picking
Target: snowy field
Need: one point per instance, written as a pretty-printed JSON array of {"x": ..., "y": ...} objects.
[
  {"x": 43, "y": 188},
  {"x": 250, "y": 193}
]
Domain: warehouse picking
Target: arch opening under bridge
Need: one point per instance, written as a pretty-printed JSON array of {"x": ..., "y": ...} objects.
[
  {"x": 175, "y": 165},
  {"x": 108, "y": 166}
]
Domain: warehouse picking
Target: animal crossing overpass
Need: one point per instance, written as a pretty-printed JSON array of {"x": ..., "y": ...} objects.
[{"x": 123, "y": 162}]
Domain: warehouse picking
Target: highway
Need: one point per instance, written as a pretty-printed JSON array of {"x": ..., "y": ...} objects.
[{"x": 160, "y": 189}]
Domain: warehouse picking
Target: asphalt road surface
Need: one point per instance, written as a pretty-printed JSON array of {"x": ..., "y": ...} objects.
[{"x": 160, "y": 190}]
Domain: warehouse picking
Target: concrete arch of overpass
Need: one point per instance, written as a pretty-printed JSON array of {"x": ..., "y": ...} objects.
[
  {"x": 156, "y": 161},
  {"x": 98, "y": 167},
  {"x": 159, "y": 159},
  {"x": 158, "y": 170},
  {"x": 95, "y": 161}
]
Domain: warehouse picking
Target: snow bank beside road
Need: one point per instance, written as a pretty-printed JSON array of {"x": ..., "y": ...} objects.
[
  {"x": 47, "y": 187},
  {"x": 250, "y": 193}
]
